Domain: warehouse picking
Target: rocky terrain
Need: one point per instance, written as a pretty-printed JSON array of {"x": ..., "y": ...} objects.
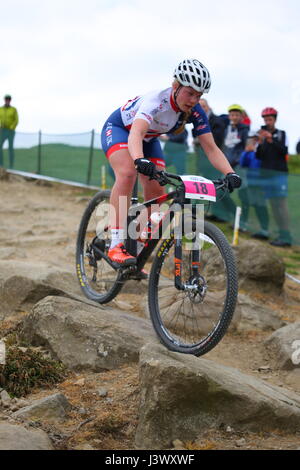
[{"x": 121, "y": 388}]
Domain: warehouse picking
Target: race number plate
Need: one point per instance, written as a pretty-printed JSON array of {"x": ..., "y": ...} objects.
[{"x": 197, "y": 187}]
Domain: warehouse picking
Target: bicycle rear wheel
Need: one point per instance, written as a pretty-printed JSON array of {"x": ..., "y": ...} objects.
[
  {"x": 98, "y": 280},
  {"x": 195, "y": 319}
]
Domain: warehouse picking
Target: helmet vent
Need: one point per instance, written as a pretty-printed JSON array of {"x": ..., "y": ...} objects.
[{"x": 190, "y": 72}]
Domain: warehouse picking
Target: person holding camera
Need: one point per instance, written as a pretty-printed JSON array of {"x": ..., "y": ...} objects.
[{"x": 273, "y": 151}]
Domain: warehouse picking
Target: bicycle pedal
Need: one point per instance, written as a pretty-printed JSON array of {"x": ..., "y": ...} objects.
[
  {"x": 127, "y": 272},
  {"x": 139, "y": 276}
]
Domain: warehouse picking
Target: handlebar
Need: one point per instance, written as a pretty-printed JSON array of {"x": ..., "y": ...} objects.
[{"x": 163, "y": 178}]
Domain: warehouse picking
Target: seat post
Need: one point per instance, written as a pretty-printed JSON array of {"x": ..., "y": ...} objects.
[
  {"x": 134, "y": 196},
  {"x": 131, "y": 245}
]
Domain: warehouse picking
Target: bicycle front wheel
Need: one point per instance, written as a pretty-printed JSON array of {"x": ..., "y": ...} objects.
[
  {"x": 98, "y": 280},
  {"x": 195, "y": 319}
]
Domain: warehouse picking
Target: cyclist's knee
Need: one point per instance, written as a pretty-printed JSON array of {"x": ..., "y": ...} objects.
[
  {"x": 126, "y": 174},
  {"x": 125, "y": 177}
]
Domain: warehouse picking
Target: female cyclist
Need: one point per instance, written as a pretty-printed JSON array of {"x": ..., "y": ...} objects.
[{"x": 130, "y": 141}]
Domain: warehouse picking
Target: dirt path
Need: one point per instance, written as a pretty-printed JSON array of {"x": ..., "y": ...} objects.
[{"x": 38, "y": 222}]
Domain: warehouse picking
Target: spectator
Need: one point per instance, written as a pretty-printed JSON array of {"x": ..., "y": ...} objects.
[
  {"x": 298, "y": 148},
  {"x": 8, "y": 123},
  {"x": 175, "y": 150},
  {"x": 272, "y": 151},
  {"x": 216, "y": 123},
  {"x": 246, "y": 120},
  {"x": 255, "y": 183},
  {"x": 203, "y": 166},
  {"x": 236, "y": 134}
]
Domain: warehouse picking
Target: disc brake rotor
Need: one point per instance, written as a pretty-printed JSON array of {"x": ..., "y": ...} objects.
[{"x": 196, "y": 289}]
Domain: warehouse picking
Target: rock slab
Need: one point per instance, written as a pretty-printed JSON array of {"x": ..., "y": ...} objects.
[
  {"x": 183, "y": 395},
  {"x": 259, "y": 267},
  {"x": 23, "y": 283},
  {"x": 84, "y": 337},
  {"x": 284, "y": 346},
  {"x": 15, "y": 437},
  {"x": 52, "y": 407},
  {"x": 249, "y": 315}
]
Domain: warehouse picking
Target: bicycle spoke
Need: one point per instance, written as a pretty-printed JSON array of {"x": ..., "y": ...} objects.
[
  {"x": 186, "y": 319},
  {"x": 101, "y": 282}
]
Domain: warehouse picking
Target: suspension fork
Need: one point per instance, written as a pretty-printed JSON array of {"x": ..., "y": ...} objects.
[
  {"x": 195, "y": 259},
  {"x": 195, "y": 248},
  {"x": 131, "y": 244},
  {"x": 178, "y": 250}
]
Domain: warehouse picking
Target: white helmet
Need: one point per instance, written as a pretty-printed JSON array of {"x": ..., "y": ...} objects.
[{"x": 190, "y": 72}]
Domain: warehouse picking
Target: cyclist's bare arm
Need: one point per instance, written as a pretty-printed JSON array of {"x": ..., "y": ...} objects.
[
  {"x": 137, "y": 133},
  {"x": 214, "y": 154}
]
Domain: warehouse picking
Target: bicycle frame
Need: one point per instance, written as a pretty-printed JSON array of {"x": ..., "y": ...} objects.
[
  {"x": 131, "y": 245},
  {"x": 178, "y": 197}
]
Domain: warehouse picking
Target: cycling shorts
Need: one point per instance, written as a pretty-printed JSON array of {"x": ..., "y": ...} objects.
[{"x": 114, "y": 136}]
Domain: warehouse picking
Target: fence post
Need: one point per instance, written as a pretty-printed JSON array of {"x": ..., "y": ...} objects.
[
  {"x": 236, "y": 226},
  {"x": 39, "y": 154},
  {"x": 89, "y": 174},
  {"x": 103, "y": 177}
]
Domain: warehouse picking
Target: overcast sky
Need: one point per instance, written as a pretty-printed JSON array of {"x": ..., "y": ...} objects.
[{"x": 68, "y": 63}]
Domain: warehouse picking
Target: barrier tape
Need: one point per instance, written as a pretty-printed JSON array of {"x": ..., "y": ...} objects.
[
  {"x": 292, "y": 278},
  {"x": 51, "y": 179}
]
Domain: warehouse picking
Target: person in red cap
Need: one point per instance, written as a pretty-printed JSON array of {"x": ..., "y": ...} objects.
[{"x": 272, "y": 151}]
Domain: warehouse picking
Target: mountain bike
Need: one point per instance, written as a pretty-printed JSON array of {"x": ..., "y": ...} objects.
[{"x": 193, "y": 282}]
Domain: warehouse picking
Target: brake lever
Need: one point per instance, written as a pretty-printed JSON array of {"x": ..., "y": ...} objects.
[
  {"x": 160, "y": 178},
  {"x": 221, "y": 184}
]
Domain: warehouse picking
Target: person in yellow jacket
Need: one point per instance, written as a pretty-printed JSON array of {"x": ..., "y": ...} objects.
[{"x": 8, "y": 122}]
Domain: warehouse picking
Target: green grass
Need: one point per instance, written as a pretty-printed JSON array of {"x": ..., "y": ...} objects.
[
  {"x": 62, "y": 161},
  {"x": 295, "y": 256},
  {"x": 294, "y": 164}
]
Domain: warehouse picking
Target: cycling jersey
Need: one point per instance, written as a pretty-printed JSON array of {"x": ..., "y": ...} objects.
[{"x": 160, "y": 111}]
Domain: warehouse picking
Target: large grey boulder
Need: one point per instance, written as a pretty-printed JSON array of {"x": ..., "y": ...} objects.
[
  {"x": 250, "y": 315},
  {"x": 5, "y": 399},
  {"x": 53, "y": 407},
  {"x": 23, "y": 283},
  {"x": 182, "y": 395},
  {"x": 86, "y": 337},
  {"x": 284, "y": 347},
  {"x": 259, "y": 266},
  {"x": 15, "y": 437}
]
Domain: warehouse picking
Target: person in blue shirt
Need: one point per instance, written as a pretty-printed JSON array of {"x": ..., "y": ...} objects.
[{"x": 255, "y": 183}]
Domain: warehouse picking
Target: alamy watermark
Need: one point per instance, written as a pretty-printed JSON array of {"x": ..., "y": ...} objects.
[
  {"x": 184, "y": 223},
  {"x": 296, "y": 353},
  {"x": 2, "y": 352}
]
